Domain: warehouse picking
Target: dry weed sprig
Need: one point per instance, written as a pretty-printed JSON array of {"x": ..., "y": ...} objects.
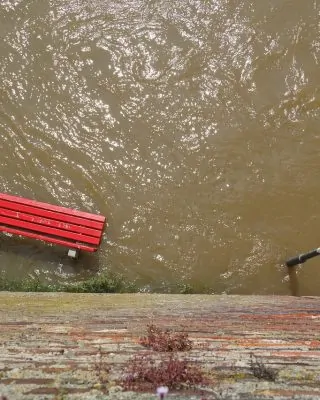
[
  {"x": 165, "y": 340},
  {"x": 144, "y": 373}
]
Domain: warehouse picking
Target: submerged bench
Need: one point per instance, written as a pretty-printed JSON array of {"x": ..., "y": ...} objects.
[{"x": 73, "y": 229}]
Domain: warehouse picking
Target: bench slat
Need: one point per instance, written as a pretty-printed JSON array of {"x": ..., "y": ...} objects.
[
  {"x": 50, "y": 222},
  {"x": 66, "y": 243},
  {"x": 51, "y": 215},
  {"x": 50, "y": 207},
  {"x": 51, "y": 231}
]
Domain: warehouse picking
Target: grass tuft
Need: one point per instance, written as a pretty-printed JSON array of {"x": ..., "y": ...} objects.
[{"x": 261, "y": 371}]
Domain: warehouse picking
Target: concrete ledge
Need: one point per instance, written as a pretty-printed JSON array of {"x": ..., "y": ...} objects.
[{"x": 50, "y": 342}]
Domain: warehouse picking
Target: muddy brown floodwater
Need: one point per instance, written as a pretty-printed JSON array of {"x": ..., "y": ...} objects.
[{"x": 194, "y": 126}]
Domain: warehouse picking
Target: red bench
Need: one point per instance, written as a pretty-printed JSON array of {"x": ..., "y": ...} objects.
[{"x": 64, "y": 226}]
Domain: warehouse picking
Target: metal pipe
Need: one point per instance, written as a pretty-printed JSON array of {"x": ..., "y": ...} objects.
[{"x": 301, "y": 258}]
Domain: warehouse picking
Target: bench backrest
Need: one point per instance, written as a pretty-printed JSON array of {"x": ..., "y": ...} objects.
[{"x": 60, "y": 225}]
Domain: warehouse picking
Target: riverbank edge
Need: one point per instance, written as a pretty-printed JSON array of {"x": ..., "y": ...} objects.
[{"x": 106, "y": 282}]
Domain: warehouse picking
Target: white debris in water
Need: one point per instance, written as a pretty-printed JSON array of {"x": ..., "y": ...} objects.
[{"x": 226, "y": 275}]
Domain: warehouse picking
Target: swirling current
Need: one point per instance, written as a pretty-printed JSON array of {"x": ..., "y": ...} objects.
[{"x": 193, "y": 125}]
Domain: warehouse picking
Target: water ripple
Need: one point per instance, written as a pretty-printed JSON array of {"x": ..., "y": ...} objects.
[{"x": 189, "y": 124}]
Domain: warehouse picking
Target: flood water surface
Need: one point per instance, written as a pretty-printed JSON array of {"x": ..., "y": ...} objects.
[{"x": 194, "y": 126}]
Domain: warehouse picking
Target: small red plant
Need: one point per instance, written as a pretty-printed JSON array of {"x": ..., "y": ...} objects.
[
  {"x": 160, "y": 340},
  {"x": 144, "y": 373}
]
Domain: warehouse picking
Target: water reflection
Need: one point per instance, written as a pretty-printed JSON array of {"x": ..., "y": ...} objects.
[{"x": 192, "y": 125}]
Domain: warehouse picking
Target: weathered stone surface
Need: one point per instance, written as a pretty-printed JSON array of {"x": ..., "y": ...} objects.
[{"x": 52, "y": 343}]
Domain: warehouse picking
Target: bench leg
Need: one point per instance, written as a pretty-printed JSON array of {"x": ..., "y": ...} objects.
[{"x": 73, "y": 253}]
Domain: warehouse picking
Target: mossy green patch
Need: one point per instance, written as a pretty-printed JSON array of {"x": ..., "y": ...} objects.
[
  {"x": 106, "y": 282},
  {"x": 102, "y": 283}
]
